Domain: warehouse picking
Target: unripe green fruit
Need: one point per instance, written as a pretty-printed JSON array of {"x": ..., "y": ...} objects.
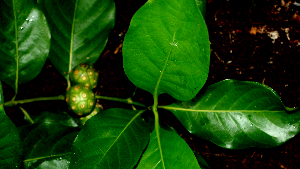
[
  {"x": 84, "y": 74},
  {"x": 96, "y": 110},
  {"x": 81, "y": 100}
]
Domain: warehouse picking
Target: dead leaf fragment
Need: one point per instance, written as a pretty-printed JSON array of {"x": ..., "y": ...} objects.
[{"x": 253, "y": 30}]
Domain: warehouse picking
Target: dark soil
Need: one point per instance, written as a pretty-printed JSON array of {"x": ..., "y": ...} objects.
[{"x": 242, "y": 48}]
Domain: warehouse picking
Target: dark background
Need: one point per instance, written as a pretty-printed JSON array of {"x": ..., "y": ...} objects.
[{"x": 241, "y": 48}]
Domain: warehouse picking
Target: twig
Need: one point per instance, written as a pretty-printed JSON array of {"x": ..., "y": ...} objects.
[{"x": 27, "y": 115}]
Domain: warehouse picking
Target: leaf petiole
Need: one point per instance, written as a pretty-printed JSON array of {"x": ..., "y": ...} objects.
[
  {"x": 128, "y": 100},
  {"x": 27, "y": 115}
]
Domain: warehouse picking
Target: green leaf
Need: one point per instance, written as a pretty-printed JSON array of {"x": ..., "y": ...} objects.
[
  {"x": 238, "y": 114},
  {"x": 202, "y": 6},
  {"x": 10, "y": 142},
  {"x": 1, "y": 95},
  {"x": 114, "y": 138},
  {"x": 166, "y": 49},
  {"x": 203, "y": 164},
  {"x": 48, "y": 144},
  {"x": 50, "y": 163},
  {"x": 79, "y": 30},
  {"x": 61, "y": 117},
  {"x": 175, "y": 152},
  {"x": 24, "y": 41}
]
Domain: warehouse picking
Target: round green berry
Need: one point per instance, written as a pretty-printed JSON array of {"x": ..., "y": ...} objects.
[
  {"x": 84, "y": 74},
  {"x": 80, "y": 99}
]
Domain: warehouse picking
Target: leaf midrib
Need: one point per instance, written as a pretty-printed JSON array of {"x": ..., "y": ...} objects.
[
  {"x": 117, "y": 138},
  {"x": 17, "y": 47},
  {"x": 72, "y": 37},
  {"x": 219, "y": 111}
]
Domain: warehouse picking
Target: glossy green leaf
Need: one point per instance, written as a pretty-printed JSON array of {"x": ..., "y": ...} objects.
[
  {"x": 50, "y": 163},
  {"x": 238, "y": 114},
  {"x": 48, "y": 144},
  {"x": 166, "y": 49},
  {"x": 10, "y": 142},
  {"x": 203, "y": 164},
  {"x": 60, "y": 117},
  {"x": 114, "y": 138},
  {"x": 24, "y": 41},
  {"x": 79, "y": 30},
  {"x": 202, "y": 6},
  {"x": 175, "y": 152}
]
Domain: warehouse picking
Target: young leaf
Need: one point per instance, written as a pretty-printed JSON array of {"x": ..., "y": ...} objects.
[
  {"x": 79, "y": 30},
  {"x": 48, "y": 144},
  {"x": 166, "y": 49},
  {"x": 114, "y": 138},
  {"x": 175, "y": 152},
  {"x": 10, "y": 142},
  {"x": 236, "y": 115},
  {"x": 24, "y": 41}
]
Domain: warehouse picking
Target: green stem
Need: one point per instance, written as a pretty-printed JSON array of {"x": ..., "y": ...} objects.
[
  {"x": 14, "y": 103},
  {"x": 27, "y": 115},
  {"x": 128, "y": 100},
  {"x": 62, "y": 97},
  {"x": 156, "y": 119},
  {"x": 71, "y": 46},
  {"x": 156, "y": 124},
  {"x": 68, "y": 82},
  {"x": 45, "y": 157}
]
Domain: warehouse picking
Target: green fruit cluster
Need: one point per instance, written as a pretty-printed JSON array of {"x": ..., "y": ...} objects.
[
  {"x": 80, "y": 97},
  {"x": 84, "y": 74}
]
